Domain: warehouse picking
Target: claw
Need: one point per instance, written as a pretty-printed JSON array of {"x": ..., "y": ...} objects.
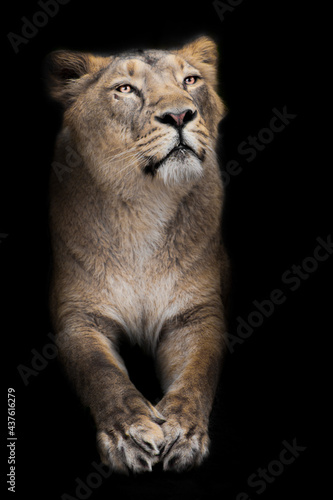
[{"x": 156, "y": 416}]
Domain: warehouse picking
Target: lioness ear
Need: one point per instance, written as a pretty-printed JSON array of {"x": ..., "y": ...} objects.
[
  {"x": 202, "y": 53},
  {"x": 64, "y": 70}
]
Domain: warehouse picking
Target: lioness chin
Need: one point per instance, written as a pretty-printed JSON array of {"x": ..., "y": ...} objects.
[{"x": 135, "y": 221}]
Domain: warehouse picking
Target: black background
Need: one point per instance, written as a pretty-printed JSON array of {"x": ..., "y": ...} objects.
[{"x": 273, "y": 384}]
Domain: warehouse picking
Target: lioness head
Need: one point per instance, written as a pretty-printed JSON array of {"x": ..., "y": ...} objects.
[{"x": 138, "y": 115}]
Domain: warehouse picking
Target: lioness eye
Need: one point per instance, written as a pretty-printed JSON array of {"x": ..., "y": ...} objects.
[
  {"x": 190, "y": 80},
  {"x": 126, "y": 89}
]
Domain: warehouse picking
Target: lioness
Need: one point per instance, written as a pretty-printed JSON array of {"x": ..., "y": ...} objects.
[{"x": 136, "y": 235}]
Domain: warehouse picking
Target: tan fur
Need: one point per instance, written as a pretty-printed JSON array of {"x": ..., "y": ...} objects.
[{"x": 137, "y": 245}]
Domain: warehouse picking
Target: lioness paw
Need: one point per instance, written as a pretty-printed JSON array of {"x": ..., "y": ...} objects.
[
  {"x": 184, "y": 447},
  {"x": 134, "y": 447}
]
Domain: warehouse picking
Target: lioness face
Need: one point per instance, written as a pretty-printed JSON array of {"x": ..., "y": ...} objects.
[{"x": 149, "y": 114}]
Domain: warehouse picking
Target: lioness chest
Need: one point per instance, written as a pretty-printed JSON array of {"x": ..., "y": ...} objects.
[
  {"x": 141, "y": 304},
  {"x": 140, "y": 265}
]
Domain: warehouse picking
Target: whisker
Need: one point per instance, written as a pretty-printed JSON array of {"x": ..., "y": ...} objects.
[
  {"x": 153, "y": 139},
  {"x": 131, "y": 161},
  {"x": 123, "y": 153}
]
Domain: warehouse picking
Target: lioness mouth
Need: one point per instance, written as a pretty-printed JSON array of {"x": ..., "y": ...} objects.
[
  {"x": 182, "y": 148},
  {"x": 178, "y": 152}
]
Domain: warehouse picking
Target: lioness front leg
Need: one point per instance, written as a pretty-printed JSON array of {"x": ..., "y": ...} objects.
[
  {"x": 188, "y": 361},
  {"x": 129, "y": 434}
]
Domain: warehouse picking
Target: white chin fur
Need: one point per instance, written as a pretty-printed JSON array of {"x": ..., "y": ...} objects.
[{"x": 174, "y": 171}]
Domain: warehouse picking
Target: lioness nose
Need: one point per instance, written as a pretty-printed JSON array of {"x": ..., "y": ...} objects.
[{"x": 177, "y": 120}]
